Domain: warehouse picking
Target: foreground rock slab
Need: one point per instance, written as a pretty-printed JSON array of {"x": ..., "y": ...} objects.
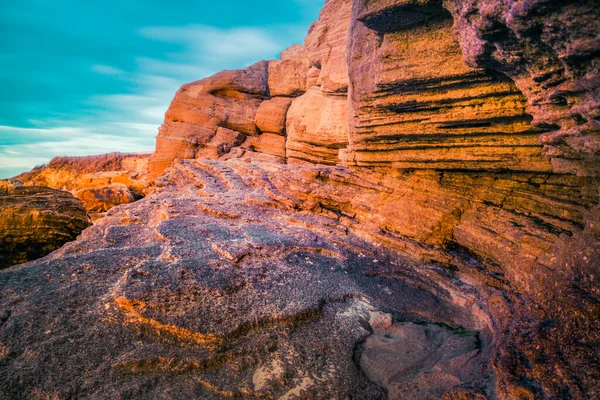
[{"x": 216, "y": 287}]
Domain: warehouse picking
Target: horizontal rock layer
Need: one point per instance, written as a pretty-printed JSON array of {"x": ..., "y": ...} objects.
[{"x": 36, "y": 220}]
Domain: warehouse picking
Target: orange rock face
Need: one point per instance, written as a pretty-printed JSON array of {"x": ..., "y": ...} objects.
[
  {"x": 317, "y": 127},
  {"x": 271, "y": 115},
  {"x": 102, "y": 199},
  {"x": 100, "y": 182}
]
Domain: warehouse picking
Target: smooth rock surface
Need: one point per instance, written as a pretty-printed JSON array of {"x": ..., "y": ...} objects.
[
  {"x": 317, "y": 127},
  {"x": 271, "y": 115}
]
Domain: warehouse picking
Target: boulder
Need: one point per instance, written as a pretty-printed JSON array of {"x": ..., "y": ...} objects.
[
  {"x": 271, "y": 115},
  {"x": 270, "y": 143},
  {"x": 103, "y": 198},
  {"x": 36, "y": 220},
  {"x": 317, "y": 127}
]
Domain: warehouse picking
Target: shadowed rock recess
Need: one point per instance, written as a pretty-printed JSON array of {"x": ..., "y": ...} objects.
[{"x": 406, "y": 206}]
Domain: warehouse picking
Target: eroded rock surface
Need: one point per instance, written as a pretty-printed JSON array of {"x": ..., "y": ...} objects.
[
  {"x": 36, "y": 220},
  {"x": 550, "y": 50},
  {"x": 441, "y": 195},
  {"x": 217, "y": 286}
]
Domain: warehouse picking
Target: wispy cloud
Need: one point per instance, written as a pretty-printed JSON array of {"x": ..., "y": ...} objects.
[{"x": 106, "y": 70}]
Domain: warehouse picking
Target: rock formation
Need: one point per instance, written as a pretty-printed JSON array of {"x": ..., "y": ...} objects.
[
  {"x": 406, "y": 205},
  {"x": 36, "y": 220},
  {"x": 100, "y": 182}
]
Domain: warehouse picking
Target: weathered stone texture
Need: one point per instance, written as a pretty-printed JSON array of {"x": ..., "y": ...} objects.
[
  {"x": 550, "y": 49},
  {"x": 317, "y": 127},
  {"x": 271, "y": 115},
  {"x": 441, "y": 194},
  {"x": 101, "y": 182},
  {"x": 36, "y": 220},
  {"x": 415, "y": 104},
  {"x": 215, "y": 286}
]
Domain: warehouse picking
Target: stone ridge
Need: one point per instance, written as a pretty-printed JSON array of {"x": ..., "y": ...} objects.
[
  {"x": 100, "y": 182},
  {"x": 550, "y": 50},
  {"x": 415, "y": 104},
  {"x": 287, "y": 110}
]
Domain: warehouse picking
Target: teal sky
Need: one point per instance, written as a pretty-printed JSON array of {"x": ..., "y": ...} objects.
[{"x": 90, "y": 77}]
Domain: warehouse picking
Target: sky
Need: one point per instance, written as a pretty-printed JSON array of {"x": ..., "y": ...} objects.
[{"x": 81, "y": 77}]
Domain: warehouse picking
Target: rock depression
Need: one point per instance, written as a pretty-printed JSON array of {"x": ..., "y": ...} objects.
[{"x": 405, "y": 206}]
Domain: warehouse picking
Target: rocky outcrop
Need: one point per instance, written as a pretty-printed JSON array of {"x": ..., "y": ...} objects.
[
  {"x": 301, "y": 98},
  {"x": 317, "y": 128},
  {"x": 36, "y": 220},
  {"x": 417, "y": 175},
  {"x": 415, "y": 104},
  {"x": 100, "y": 182},
  {"x": 102, "y": 199},
  {"x": 229, "y": 100},
  {"x": 215, "y": 286}
]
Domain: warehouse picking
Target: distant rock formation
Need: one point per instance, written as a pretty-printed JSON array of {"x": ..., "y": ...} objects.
[
  {"x": 406, "y": 205},
  {"x": 100, "y": 182},
  {"x": 36, "y": 220}
]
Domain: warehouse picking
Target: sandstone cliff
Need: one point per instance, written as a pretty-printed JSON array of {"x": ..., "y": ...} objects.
[{"x": 417, "y": 175}]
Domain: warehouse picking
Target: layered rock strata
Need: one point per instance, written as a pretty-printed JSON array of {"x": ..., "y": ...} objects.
[
  {"x": 495, "y": 165},
  {"x": 36, "y": 220},
  {"x": 550, "y": 50},
  {"x": 292, "y": 109}
]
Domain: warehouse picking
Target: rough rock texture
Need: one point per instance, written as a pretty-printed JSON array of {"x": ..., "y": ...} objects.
[
  {"x": 216, "y": 287},
  {"x": 36, "y": 220},
  {"x": 434, "y": 234},
  {"x": 317, "y": 127},
  {"x": 271, "y": 115},
  {"x": 102, "y": 199},
  {"x": 257, "y": 100},
  {"x": 228, "y": 99},
  {"x": 288, "y": 77},
  {"x": 100, "y": 182},
  {"x": 415, "y": 104},
  {"x": 550, "y": 50},
  {"x": 327, "y": 45}
]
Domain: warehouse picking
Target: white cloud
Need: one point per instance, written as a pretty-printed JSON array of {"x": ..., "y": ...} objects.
[
  {"x": 236, "y": 47},
  {"x": 107, "y": 70},
  {"x": 72, "y": 141}
]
